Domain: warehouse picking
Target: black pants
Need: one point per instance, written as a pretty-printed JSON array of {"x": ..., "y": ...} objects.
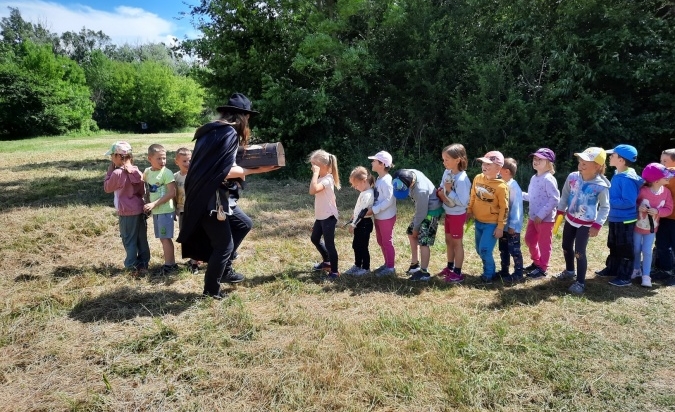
[
  {"x": 665, "y": 242},
  {"x": 220, "y": 237},
  {"x": 360, "y": 243},
  {"x": 326, "y": 228},
  {"x": 620, "y": 244},
  {"x": 240, "y": 225},
  {"x": 574, "y": 242},
  {"x": 509, "y": 245}
]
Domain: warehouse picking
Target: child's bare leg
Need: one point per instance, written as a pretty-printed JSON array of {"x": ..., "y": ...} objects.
[
  {"x": 167, "y": 248},
  {"x": 413, "y": 249},
  {"x": 458, "y": 249}
]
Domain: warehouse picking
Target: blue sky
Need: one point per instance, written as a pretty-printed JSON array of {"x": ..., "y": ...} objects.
[{"x": 125, "y": 21}]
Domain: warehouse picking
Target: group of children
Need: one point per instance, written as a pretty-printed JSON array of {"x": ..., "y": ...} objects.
[
  {"x": 156, "y": 192},
  {"x": 494, "y": 201}
]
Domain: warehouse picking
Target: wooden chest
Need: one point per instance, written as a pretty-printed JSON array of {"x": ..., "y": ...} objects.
[{"x": 258, "y": 155}]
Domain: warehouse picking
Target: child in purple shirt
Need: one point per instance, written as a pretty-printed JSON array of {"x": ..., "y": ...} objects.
[{"x": 543, "y": 196}]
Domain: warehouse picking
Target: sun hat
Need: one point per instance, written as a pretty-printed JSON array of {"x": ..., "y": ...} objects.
[
  {"x": 493, "y": 157},
  {"x": 238, "y": 103},
  {"x": 593, "y": 154},
  {"x": 656, "y": 171},
  {"x": 121, "y": 147},
  {"x": 383, "y": 157},
  {"x": 402, "y": 182},
  {"x": 626, "y": 151},
  {"x": 544, "y": 153}
]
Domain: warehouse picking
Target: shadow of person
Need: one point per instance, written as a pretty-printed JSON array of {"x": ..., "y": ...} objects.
[{"x": 126, "y": 303}]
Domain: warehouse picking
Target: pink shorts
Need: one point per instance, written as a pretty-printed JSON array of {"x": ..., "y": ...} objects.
[{"x": 454, "y": 225}]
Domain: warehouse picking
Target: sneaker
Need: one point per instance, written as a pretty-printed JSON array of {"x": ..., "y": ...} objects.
[
  {"x": 620, "y": 282},
  {"x": 604, "y": 272},
  {"x": 360, "y": 272},
  {"x": 661, "y": 274},
  {"x": 379, "y": 269},
  {"x": 445, "y": 272},
  {"x": 646, "y": 282},
  {"x": 512, "y": 279},
  {"x": 528, "y": 269},
  {"x": 565, "y": 275},
  {"x": 537, "y": 273},
  {"x": 420, "y": 275},
  {"x": 217, "y": 296},
  {"x": 168, "y": 269},
  {"x": 333, "y": 276},
  {"x": 502, "y": 273},
  {"x": 453, "y": 278},
  {"x": 669, "y": 282},
  {"x": 577, "y": 288},
  {"x": 194, "y": 269},
  {"x": 386, "y": 272},
  {"x": 233, "y": 277},
  {"x": 235, "y": 255},
  {"x": 485, "y": 280},
  {"x": 414, "y": 267},
  {"x": 637, "y": 273},
  {"x": 321, "y": 266},
  {"x": 352, "y": 270}
]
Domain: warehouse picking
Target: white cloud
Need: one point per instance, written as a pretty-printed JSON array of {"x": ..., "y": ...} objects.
[{"x": 125, "y": 25}]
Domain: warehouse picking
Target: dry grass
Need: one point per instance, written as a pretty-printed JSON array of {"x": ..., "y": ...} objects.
[{"x": 77, "y": 333}]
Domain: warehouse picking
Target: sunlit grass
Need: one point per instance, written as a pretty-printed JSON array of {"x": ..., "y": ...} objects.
[{"x": 77, "y": 332}]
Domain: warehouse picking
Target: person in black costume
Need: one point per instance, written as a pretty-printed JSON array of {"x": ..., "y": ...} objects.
[{"x": 212, "y": 170}]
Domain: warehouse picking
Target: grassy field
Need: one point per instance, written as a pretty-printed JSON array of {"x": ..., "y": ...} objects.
[{"x": 77, "y": 333}]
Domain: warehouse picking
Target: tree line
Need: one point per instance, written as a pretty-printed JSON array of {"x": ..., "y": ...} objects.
[{"x": 409, "y": 76}]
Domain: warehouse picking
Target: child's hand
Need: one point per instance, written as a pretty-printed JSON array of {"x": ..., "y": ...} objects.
[
  {"x": 652, "y": 211},
  {"x": 147, "y": 208},
  {"x": 512, "y": 231},
  {"x": 448, "y": 186},
  {"x": 643, "y": 208},
  {"x": 415, "y": 233},
  {"x": 593, "y": 232},
  {"x": 536, "y": 220},
  {"x": 315, "y": 169},
  {"x": 498, "y": 233},
  {"x": 351, "y": 229}
]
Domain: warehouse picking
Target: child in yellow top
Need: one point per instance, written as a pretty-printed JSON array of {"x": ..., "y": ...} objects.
[
  {"x": 162, "y": 188},
  {"x": 489, "y": 206}
]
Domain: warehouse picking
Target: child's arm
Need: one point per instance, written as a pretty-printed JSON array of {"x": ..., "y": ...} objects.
[
  {"x": 562, "y": 203},
  {"x": 461, "y": 191},
  {"x": 472, "y": 200},
  {"x": 603, "y": 212},
  {"x": 113, "y": 179},
  {"x": 515, "y": 210},
  {"x": 170, "y": 194},
  {"x": 421, "y": 207},
  {"x": 314, "y": 186},
  {"x": 385, "y": 198},
  {"x": 552, "y": 197},
  {"x": 667, "y": 209},
  {"x": 624, "y": 195},
  {"x": 502, "y": 197}
]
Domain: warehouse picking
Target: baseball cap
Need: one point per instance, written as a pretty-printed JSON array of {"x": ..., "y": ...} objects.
[
  {"x": 544, "y": 153},
  {"x": 656, "y": 171},
  {"x": 383, "y": 157},
  {"x": 120, "y": 147},
  {"x": 593, "y": 154},
  {"x": 626, "y": 151},
  {"x": 403, "y": 180},
  {"x": 493, "y": 157}
]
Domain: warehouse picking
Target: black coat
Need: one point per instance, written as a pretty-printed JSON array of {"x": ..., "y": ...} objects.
[{"x": 212, "y": 158}]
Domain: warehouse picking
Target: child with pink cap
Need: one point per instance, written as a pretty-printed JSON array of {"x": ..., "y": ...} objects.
[
  {"x": 654, "y": 202},
  {"x": 126, "y": 182}
]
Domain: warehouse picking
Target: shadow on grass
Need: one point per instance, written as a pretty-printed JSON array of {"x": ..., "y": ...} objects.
[
  {"x": 357, "y": 285},
  {"x": 126, "y": 303},
  {"x": 534, "y": 292}
]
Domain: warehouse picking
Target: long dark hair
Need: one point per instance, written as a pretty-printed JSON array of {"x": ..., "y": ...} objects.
[{"x": 239, "y": 121}]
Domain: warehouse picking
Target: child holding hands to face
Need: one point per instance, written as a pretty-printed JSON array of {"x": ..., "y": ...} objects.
[
  {"x": 325, "y": 179},
  {"x": 126, "y": 181},
  {"x": 361, "y": 224},
  {"x": 454, "y": 193}
]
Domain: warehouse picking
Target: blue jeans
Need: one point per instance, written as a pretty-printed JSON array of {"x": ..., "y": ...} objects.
[
  {"x": 485, "y": 245},
  {"x": 134, "y": 234},
  {"x": 643, "y": 243}
]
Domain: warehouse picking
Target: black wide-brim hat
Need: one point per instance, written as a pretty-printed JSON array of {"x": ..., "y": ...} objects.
[{"x": 238, "y": 103}]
